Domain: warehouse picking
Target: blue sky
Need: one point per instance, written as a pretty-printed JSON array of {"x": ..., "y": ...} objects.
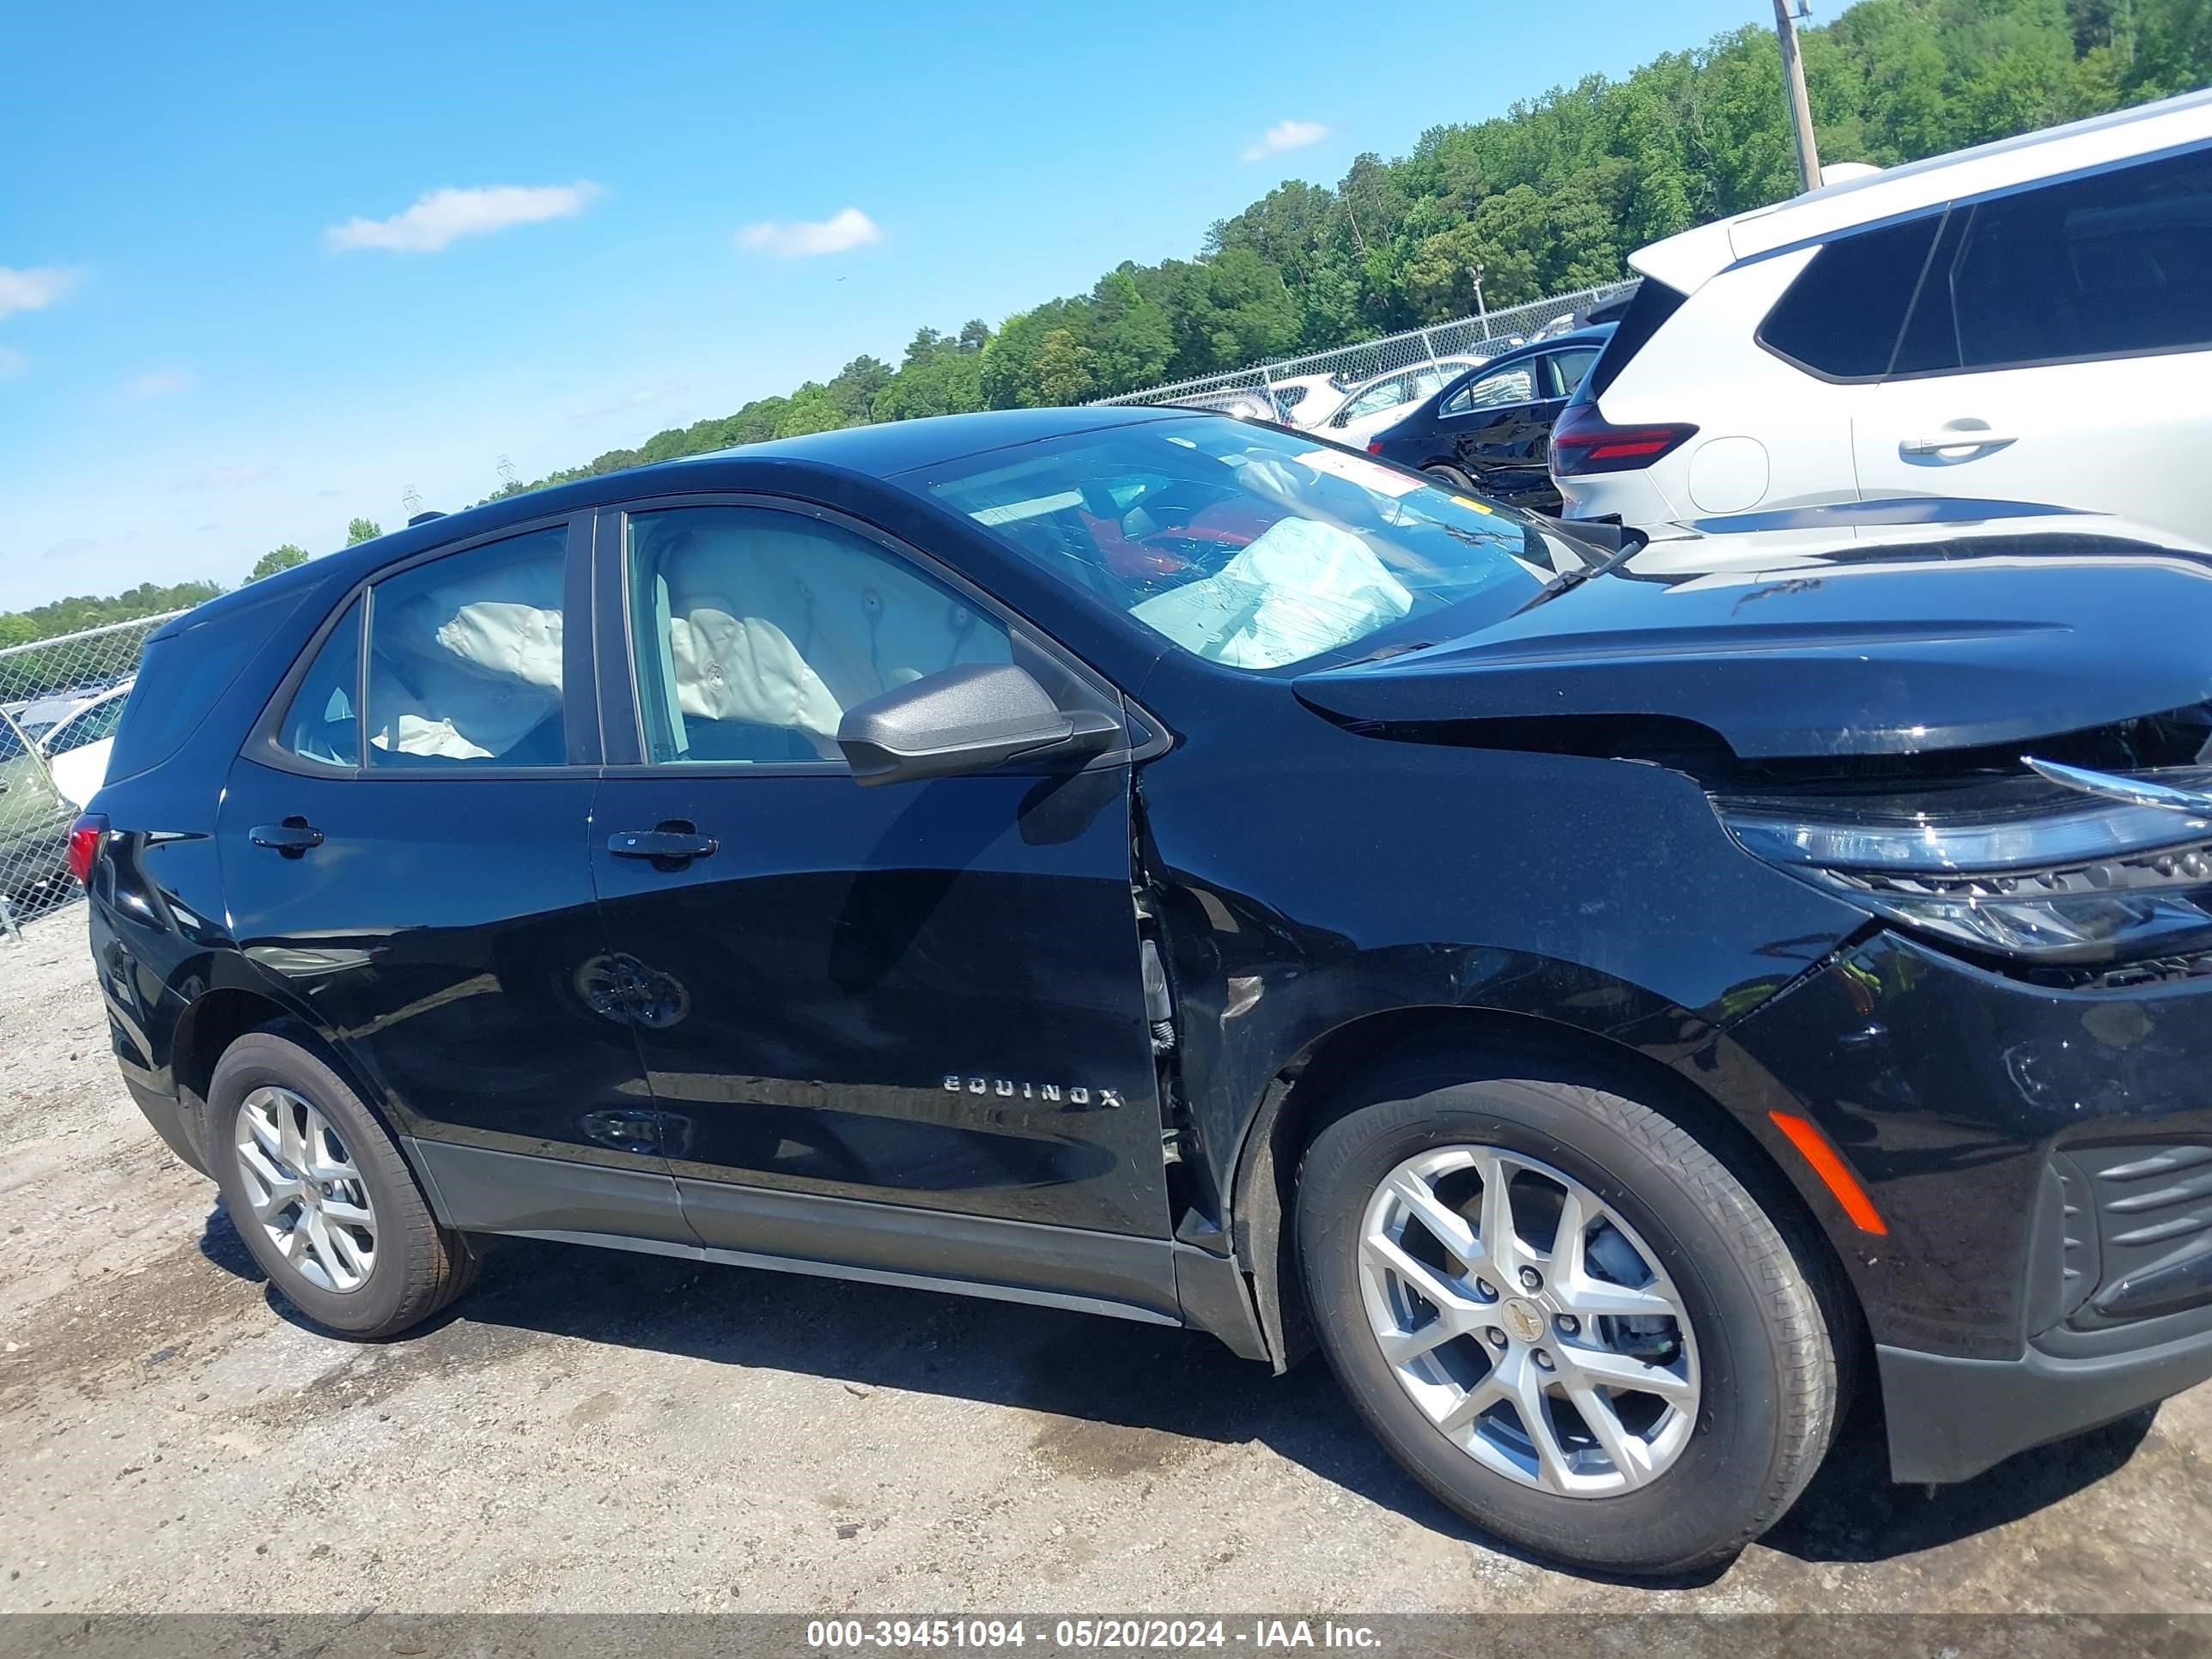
[{"x": 235, "y": 309}]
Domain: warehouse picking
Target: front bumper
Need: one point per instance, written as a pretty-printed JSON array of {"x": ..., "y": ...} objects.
[
  {"x": 1950, "y": 1418},
  {"x": 2042, "y": 1157}
]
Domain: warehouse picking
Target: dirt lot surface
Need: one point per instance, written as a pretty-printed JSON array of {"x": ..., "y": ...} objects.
[{"x": 595, "y": 1430}]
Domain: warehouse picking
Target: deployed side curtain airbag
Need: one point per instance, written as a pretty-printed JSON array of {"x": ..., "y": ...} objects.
[
  {"x": 789, "y": 628},
  {"x": 466, "y": 670}
]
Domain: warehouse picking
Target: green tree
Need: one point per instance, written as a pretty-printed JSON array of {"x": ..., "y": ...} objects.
[
  {"x": 277, "y": 559},
  {"x": 362, "y": 529},
  {"x": 949, "y": 383}
]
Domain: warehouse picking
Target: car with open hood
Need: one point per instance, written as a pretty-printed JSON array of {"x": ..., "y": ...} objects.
[{"x": 1171, "y": 867}]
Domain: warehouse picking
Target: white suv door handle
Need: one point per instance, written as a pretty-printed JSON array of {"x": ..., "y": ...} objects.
[{"x": 1969, "y": 438}]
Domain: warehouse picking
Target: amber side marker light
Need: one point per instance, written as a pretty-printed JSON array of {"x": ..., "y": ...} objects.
[{"x": 1813, "y": 1147}]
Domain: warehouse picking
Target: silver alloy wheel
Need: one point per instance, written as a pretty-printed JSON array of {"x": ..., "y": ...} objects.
[
  {"x": 1528, "y": 1321},
  {"x": 306, "y": 1192}
]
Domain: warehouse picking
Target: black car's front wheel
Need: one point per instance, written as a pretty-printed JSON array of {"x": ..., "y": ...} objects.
[
  {"x": 318, "y": 1191},
  {"x": 1567, "y": 1319}
]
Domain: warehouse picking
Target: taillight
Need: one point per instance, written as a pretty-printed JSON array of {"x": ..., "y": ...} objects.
[
  {"x": 1375, "y": 446},
  {"x": 1585, "y": 442},
  {"x": 85, "y": 836}
]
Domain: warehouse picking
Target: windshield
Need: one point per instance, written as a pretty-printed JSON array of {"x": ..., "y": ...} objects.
[{"x": 1251, "y": 547}]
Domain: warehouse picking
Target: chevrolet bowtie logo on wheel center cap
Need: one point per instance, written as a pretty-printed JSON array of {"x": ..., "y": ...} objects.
[{"x": 1524, "y": 1318}]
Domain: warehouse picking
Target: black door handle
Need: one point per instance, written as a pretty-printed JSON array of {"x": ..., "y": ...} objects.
[
  {"x": 670, "y": 843},
  {"x": 292, "y": 837}
]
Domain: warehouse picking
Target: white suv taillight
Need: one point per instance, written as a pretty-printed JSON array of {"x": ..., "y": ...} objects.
[{"x": 1584, "y": 442}]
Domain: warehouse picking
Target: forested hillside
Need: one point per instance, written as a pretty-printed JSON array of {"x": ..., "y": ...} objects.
[
  {"x": 47, "y": 622},
  {"x": 1550, "y": 195}
]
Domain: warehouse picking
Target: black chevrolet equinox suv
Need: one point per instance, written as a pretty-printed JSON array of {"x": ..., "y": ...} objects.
[{"x": 1145, "y": 862}]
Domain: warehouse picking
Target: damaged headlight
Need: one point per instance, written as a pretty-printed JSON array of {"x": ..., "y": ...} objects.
[{"x": 2096, "y": 867}]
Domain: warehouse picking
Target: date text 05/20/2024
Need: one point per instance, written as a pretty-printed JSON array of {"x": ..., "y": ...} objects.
[{"x": 833, "y": 1635}]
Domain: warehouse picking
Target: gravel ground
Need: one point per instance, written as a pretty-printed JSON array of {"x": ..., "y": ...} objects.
[{"x": 595, "y": 1430}]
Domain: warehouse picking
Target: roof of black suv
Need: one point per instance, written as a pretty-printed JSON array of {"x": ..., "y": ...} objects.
[{"x": 879, "y": 451}]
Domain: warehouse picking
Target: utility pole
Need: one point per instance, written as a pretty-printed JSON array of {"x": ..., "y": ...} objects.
[{"x": 1786, "y": 12}]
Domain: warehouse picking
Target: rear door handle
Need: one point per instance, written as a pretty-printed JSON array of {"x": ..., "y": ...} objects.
[
  {"x": 1967, "y": 438},
  {"x": 292, "y": 837},
  {"x": 673, "y": 843}
]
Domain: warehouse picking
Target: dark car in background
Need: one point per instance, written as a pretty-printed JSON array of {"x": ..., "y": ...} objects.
[
  {"x": 1168, "y": 866},
  {"x": 1490, "y": 430}
]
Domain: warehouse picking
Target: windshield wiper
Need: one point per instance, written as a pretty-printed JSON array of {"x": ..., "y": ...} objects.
[{"x": 1567, "y": 581}]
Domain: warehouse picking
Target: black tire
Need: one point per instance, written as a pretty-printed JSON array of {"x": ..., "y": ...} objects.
[
  {"x": 419, "y": 1266},
  {"x": 1451, "y": 478},
  {"x": 1767, "y": 1326}
]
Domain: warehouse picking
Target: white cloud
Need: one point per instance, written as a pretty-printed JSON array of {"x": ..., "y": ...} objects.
[
  {"x": 159, "y": 383},
  {"x": 440, "y": 217},
  {"x": 75, "y": 547},
  {"x": 1286, "y": 135},
  {"x": 34, "y": 288},
  {"x": 234, "y": 477},
  {"x": 846, "y": 228},
  {"x": 12, "y": 361}
]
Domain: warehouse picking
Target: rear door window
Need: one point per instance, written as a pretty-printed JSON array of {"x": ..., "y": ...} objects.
[
  {"x": 2104, "y": 266},
  {"x": 1500, "y": 389},
  {"x": 465, "y": 659}
]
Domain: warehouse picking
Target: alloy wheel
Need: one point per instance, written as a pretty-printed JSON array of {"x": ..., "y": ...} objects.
[
  {"x": 1526, "y": 1320},
  {"x": 306, "y": 1193}
]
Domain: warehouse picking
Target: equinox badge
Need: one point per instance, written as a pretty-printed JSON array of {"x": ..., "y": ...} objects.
[{"x": 1006, "y": 1089}]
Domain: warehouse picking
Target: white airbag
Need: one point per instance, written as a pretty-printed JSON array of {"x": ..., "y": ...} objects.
[
  {"x": 731, "y": 668},
  {"x": 1300, "y": 588}
]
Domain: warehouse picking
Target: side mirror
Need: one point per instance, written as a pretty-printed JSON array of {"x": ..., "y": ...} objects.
[{"x": 968, "y": 719}]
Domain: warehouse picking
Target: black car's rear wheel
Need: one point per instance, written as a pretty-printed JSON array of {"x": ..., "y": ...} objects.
[
  {"x": 320, "y": 1195},
  {"x": 1451, "y": 477},
  {"x": 1566, "y": 1318}
]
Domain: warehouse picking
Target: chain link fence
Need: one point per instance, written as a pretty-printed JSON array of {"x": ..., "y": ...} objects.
[
  {"x": 59, "y": 701},
  {"x": 1326, "y": 389}
]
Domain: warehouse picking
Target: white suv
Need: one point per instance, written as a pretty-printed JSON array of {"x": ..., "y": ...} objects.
[{"x": 2028, "y": 322}]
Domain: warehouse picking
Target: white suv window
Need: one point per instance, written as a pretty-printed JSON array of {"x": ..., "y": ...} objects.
[{"x": 2098, "y": 267}]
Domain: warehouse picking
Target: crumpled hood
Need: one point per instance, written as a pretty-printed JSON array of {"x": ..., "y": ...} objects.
[{"x": 1871, "y": 659}]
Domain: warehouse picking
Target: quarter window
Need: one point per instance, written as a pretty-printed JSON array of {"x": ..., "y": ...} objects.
[
  {"x": 1843, "y": 315},
  {"x": 1568, "y": 368},
  {"x": 323, "y": 722},
  {"x": 464, "y": 659},
  {"x": 756, "y": 630}
]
